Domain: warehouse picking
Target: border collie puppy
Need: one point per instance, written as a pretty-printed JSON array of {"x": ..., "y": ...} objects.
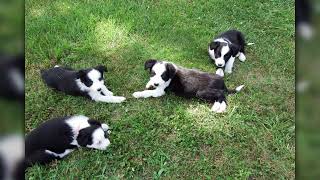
[
  {"x": 85, "y": 82},
  {"x": 166, "y": 76},
  {"x": 56, "y": 138},
  {"x": 225, "y": 48}
]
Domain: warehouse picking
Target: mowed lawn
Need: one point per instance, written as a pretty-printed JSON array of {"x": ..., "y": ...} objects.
[{"x": 168, "y": 137}]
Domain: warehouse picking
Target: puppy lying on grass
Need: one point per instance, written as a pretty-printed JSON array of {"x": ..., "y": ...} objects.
[
  {"x": 166, "y": 76},
  {"x": 56, "y": 138},
  {"x": 85, "y": 82}
]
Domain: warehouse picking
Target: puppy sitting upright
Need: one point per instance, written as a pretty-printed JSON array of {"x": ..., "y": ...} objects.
[
  {"x": 185, "y": 82},
  {"x": 56, "y": 138},
  {"x": 225, "y": 48},
  {"x": 85, "y": 82}
]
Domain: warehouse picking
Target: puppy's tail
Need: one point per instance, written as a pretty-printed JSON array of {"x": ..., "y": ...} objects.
[
  {"x": 249, "y": 44},
  {"x": 236, "y": 90}
]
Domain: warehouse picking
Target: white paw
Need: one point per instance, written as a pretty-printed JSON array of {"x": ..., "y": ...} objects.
[
  {"x": 242, "y": 57},
  {"x": 229, "y": 71},
  {"x": 222, "y": 108},
  {"x": 105, "y": 127},
  {"x": 121, "y": 99},
  {"x": 108, "y": 93},
  {"x": 137, "y": 95},
  {"x": 215, "y": 106},
  {"x": 220, "y": 72},
  {"x": 118, "y": 99},
  {"x": 219, "y": 107}
]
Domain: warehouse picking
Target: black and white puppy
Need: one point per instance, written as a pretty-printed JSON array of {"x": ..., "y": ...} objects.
[
  {"x": 85, "y": 82},
  {"x": 56, "y": 138},
  {"x": 225, "y": 48},
  {"x": 166, "y": 76}
]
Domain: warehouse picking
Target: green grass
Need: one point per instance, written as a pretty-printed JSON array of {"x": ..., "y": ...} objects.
[{"x": 168, "y": 137}]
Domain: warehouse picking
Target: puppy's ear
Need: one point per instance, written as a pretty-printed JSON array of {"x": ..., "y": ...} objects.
[
  {"x": 93, "y": 122},
  {"x": 149, "y": 64},
  {"x": 101, "y": 68},
  {"x": 171, "y": 70},
  {"x": 213, "y": 45},
  {"x": 105, "y": 127},
  {"x": 234, "y": 49},
  {"x": 83, "y": 137},
  {"x": 81, "y": 73}
]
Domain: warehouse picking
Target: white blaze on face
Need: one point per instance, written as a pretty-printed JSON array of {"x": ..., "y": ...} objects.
[
  {"x": 98, "y": 140},
  {"x": 156, "y": 80},
  {"x": 211, "y": 53},
  {"x": 220, "y": 62},
  {"x": 94, "y": 76}
]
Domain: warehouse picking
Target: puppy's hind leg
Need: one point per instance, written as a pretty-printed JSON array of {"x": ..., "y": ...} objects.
[
  {"x": 216, "y": 96},
  {"x": 40, "y": 157}
]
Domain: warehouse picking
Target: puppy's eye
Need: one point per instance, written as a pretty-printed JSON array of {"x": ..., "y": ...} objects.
[
  {"x": 152, "y": 73},
  {"x": 101, "y": 79}
]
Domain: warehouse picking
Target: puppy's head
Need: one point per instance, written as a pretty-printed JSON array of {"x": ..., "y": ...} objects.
[
  {"x": 222, "y": 51},
  {"x": 160, "y": 73},
  {"x": 95, "y": 136},
  {"x": 93, "y": 77}
]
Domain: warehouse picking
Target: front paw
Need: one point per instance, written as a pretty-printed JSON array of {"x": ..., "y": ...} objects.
[
  {"x": 109, "y": 93},
  {"x": 137, "y": 94},
  {"x": 242, "y": 57},
  {"x": 119, "y": 99},
  {"x": 229, "y": 71},
  {"x": 220, "y": 72}
]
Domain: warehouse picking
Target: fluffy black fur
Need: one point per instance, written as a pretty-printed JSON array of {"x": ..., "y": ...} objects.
[{"x": 303, "y": 11}]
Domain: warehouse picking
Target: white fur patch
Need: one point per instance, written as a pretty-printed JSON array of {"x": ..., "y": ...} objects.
[
  {"x": 229, "y": 65},
  {"x": 61, "y": 155},
  {"x": 220, "y": 72},
  {"x": 77, "y": 123},
  {"x": 220, "y": 62},
  {"x": 158, "y": 69},
  {"x": 222, "y": 108},
  {"x": 219, "y": 107},
  {"x": 17, "y": 79},
  {"x": 105, "y": 127},
  {"x": 99, "y": 140},
  {"x": 239, "y": 88},
  {"x": 215, "y": 106},
  {"x": 211, "y": 53},
  {"x": 11, "y": 152},
  {"x": 149, "y": 93},
  {"x": 220, "y": 40},
  {"x": 242, "y": 57}
]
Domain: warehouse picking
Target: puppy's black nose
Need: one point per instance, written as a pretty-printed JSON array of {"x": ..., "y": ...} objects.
[
  {"x": 99, "y": 89},
  {"x": 220, "y": 65},
  {"x": 156, "y": 84}
]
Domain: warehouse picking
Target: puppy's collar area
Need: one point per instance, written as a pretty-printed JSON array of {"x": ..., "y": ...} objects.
[{"x": 223, "y": 40}]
